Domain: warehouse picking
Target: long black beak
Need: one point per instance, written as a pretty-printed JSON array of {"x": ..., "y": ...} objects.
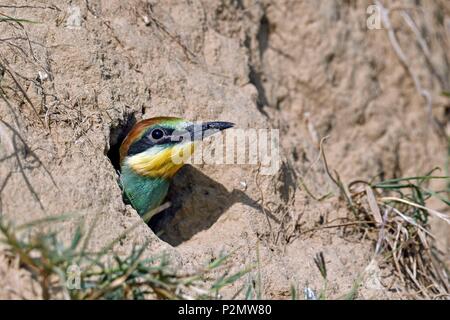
[{"x": 202, "y": 130}]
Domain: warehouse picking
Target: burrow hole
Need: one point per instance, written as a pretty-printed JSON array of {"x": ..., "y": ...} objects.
[{"x": 118, "y": 134}]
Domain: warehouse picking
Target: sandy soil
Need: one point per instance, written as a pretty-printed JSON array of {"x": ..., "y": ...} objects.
[{"x": 308, "y": 68}]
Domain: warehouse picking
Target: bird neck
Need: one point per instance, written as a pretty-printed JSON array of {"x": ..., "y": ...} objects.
[{"x": 145, "y": 193}]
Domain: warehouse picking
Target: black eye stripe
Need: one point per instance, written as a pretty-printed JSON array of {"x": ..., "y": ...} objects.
[{"x": 147, "y": 141}]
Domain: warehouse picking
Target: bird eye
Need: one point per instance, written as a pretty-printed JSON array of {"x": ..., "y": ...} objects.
[{"x": 157, "y": 134}]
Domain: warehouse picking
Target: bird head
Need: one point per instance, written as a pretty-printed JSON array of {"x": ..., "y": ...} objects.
[{"x": 158, "y": 147}]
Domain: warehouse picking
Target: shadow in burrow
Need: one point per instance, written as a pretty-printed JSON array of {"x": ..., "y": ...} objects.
[{"x": 197, "y": 201}]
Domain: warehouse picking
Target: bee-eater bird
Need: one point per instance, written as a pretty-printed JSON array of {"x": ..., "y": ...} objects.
[{"x": 152, "y": 152}]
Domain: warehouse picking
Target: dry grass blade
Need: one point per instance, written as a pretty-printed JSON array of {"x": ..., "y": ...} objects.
[{"x": 434, "y": 212}]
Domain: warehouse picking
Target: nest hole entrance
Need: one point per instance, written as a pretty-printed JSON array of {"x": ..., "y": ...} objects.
[{"x": 118, "y": 134}]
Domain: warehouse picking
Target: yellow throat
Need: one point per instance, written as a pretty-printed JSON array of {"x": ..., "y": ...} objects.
[{"x": 161, "y": 163}]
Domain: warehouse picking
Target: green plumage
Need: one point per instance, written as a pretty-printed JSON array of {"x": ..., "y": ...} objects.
[
  {"x": 144, "y": 193},
  {"x": 146, "y": 164}
]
